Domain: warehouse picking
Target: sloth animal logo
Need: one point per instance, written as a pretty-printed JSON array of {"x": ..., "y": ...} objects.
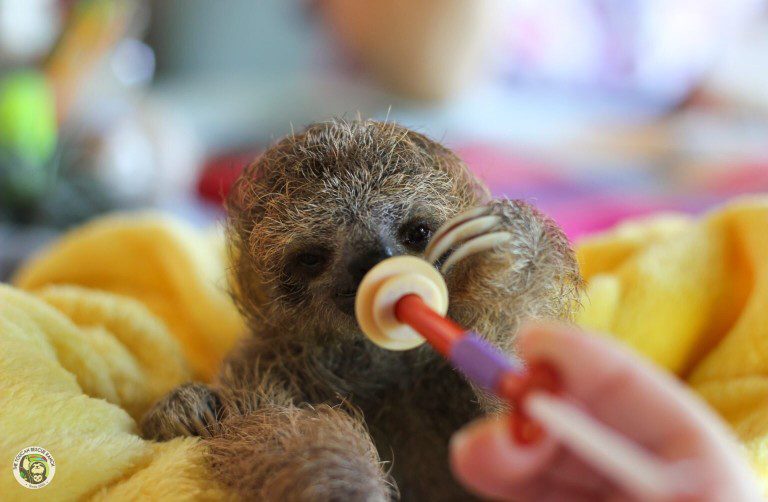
[{"x": 34, "y": 467}]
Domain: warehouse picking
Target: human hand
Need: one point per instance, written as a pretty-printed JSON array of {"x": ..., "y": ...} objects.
[{"x": 625, "y": 393}]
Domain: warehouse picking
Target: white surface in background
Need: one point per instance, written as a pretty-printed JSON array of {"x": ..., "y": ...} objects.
[
  {"x": 28, "y": 28},
  {"x": 229, "y": 111}
]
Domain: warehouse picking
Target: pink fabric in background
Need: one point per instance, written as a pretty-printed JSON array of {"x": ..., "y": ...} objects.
[{"x": 589, "y": 199}]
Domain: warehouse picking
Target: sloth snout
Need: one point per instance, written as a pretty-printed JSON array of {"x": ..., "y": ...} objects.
[{"x": 359, "y": 263}]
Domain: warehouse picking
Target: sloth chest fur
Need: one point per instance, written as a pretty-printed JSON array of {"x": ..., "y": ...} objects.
[{"x": 411, "y": 403}]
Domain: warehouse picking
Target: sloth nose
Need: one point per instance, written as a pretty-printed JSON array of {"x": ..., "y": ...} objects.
[{"x": 362, "y": 263}]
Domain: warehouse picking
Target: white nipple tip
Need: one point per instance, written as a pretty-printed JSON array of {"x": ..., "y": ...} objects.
[{"x": 381, "y": 289}]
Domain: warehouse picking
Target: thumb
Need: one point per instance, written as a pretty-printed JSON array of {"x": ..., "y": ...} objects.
[{"x": 486, "y": 459}]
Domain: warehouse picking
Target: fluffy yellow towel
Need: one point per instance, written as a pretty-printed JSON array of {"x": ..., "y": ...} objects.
[
  {"x": 119, "y": 311},
  {"x": 77, "y": 368},
  {"x": 178, "y": 273},
  {"x": 693, "y": 297}
]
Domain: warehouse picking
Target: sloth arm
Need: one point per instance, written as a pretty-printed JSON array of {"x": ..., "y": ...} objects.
[
  {"x": 534, "y": 275},
  {"x": 265, "y": 437}
]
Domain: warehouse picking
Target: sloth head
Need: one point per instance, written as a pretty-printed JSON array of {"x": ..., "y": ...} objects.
[
  {"x": 319, "y": 209},
  {"x": 37, "y": 472}
]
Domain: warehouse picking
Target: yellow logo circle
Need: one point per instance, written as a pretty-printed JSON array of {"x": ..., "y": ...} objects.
[{"x": 34, "y": 467}]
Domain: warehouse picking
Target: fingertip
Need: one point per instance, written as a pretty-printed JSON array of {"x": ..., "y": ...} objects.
[
  {"x": 536, "y": 337},
  {"x": 485, "y": 458}
]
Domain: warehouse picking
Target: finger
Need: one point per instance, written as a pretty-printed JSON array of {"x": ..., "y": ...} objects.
[
  {"x": 585, "y": 361},
  {"x": 485, "y": 458},
  {"x": 592, "y": 366},
  {"x": 637, "y": 399},
  {"x": 619, "y": 387}
]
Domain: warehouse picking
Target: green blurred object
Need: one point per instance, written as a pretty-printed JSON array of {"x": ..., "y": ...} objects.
[{"x": 28, "y": 137}]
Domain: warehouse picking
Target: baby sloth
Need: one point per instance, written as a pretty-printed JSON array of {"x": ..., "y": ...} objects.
[{"x": 306, "y": 408}]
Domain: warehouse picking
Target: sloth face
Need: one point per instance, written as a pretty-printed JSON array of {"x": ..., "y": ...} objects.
[
  {"x": 339, "y": 264},
  {"x": 320, "y": 209},
  {"x": 37, "y": 470}
]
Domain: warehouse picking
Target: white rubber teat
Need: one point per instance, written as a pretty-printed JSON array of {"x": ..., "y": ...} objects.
[{"x": 383, "y": 286}]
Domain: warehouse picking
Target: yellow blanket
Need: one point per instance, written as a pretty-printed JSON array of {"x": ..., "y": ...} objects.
[
  {"x": 123, "y": 309},
  {"x": 103, "y": 323},
  {"x": 693, "y": 297}
]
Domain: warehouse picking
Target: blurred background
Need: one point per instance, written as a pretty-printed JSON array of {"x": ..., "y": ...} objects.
[{"x": 594, "y": 110}]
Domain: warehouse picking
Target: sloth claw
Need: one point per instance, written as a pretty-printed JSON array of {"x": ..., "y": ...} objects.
[
  {"x": 190, "y": 410},
  {"x": 469, "y": 233}
]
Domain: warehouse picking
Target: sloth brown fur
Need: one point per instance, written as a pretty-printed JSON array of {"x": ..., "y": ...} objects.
[{"x": 306, "y": 408}]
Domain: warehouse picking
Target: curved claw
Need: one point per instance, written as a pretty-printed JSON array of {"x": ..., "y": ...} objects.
[
  {"x": 475, "y": 245},
  {"x": 463, "y": 231},
  {"x": 453, "y": 223},
  {"x": 467, "y": 233}
]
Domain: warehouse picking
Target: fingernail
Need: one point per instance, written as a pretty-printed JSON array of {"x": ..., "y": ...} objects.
[{"x": 459, "y": 440}]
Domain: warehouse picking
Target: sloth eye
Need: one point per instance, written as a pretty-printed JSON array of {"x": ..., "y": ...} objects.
[
  {"x": 415, "y": 235},
  {"x": 307, "y": 263},
  {"x": 310, "y": 259}
]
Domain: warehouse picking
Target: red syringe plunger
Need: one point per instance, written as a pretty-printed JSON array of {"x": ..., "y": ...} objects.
[{"x": 482, "y": 363}]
